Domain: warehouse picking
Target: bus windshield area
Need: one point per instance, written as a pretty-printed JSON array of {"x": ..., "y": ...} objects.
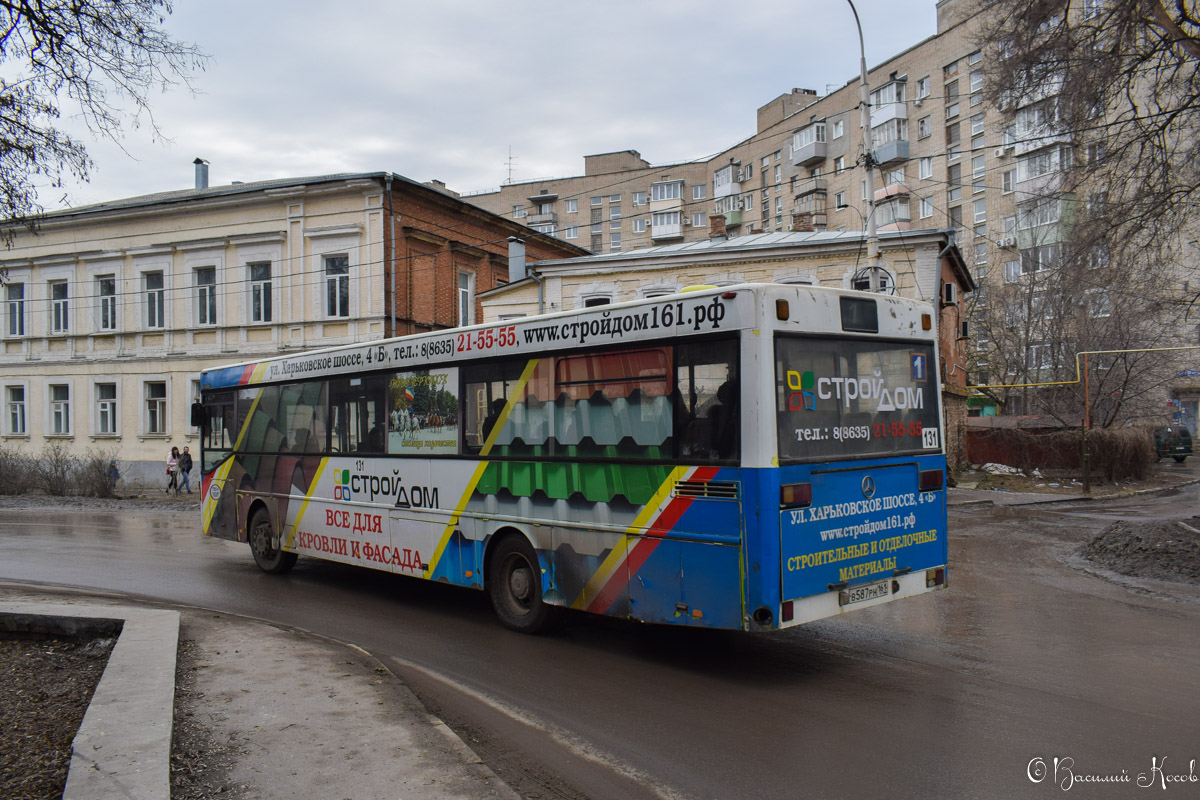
[{"x": 837, "y": 398}]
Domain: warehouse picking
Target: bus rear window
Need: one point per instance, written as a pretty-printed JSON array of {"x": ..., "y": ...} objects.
[{"x": 850, "y": 398}]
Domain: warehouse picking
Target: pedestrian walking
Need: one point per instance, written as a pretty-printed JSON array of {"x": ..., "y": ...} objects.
[
  {"x": 185, "y": 470},
  {"x": 173, "y": 471}
]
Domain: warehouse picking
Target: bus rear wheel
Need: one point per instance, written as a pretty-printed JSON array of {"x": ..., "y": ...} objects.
[
  {"x": 515, "y": 587},
  {"x": 268, "y": 555}
]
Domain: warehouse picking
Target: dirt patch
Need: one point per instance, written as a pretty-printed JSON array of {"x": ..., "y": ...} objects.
[
  {"x": 45, "y": 688},
  {"x": 1165, "y": 550}
]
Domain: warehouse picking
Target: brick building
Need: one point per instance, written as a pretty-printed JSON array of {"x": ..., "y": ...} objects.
[{"x": 110, "y": 311}]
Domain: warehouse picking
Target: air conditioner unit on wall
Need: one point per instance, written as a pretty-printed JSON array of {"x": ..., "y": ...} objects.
[
  {"x": 1007, "y": 241},
  {"x": 1000, "y": 152}
]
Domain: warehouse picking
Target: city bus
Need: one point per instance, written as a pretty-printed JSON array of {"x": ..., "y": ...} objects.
[{"x": 747, "y": 457}]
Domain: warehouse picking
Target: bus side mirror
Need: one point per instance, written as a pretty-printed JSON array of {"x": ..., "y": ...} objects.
[{"x": 198, "y": 416}]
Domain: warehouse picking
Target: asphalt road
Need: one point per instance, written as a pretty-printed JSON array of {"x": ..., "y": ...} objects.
[{"x": 1028, "y": 656}]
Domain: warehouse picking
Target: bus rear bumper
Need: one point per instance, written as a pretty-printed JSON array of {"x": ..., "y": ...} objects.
[{"x": 863, "y": 595}]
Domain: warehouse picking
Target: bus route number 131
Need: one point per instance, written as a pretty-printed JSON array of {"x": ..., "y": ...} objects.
[{"x": 487, "y": 339}]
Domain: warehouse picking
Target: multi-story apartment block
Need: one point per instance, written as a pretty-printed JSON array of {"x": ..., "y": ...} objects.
[
  {"x": 109, "y": 312},
  {"x": 945, "y": 157}
]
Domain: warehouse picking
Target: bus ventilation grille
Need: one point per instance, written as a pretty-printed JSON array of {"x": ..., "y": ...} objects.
[{"x": 722, "y": 490}]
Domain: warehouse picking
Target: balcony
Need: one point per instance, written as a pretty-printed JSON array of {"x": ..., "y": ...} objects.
[
  {"x": 811, "y": 153},
  {"x": 892, "y": 190},
  {"x": 542, "y": 219},
  {"x": 669, "y": 231},
  {"x": 733, "y": 218},
  {"x": 811, "y": 186},
  {"x": 891, "y": 152},
  {"x": 887, "y": 112}
]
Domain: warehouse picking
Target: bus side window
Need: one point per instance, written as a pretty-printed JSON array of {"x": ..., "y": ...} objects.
[{"x": 706, "y": 407}]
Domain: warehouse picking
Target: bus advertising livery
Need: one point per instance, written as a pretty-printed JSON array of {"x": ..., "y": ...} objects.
[{"x": 748, "y": 457}]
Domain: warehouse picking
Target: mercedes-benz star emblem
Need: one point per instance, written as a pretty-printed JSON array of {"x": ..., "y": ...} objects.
[{"x": 868, "y": 487}]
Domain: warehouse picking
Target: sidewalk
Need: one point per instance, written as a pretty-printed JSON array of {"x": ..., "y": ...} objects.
[{"x": 261, "y": 712}]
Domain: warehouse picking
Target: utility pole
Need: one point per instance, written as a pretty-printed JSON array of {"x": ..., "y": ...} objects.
[{"x": 873, "y": 262}]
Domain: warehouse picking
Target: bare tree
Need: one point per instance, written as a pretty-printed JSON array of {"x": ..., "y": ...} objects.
[
  {"x": 1104, "y": 102},
  {"x": 99, "y": 59}
]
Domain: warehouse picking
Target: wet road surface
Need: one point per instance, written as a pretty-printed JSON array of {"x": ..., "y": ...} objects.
[{"x": 1027, "y": 656}]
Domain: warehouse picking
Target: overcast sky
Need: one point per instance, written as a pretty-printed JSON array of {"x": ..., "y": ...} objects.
[{"x": 443, "y": 89}]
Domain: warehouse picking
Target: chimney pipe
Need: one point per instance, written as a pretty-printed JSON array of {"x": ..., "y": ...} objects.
[
  {"x": 516, "y": 259},
  {"x": 201, "y": 173}
]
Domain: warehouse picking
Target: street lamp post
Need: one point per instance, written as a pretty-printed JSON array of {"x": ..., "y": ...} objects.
[{"x": 868, "y": 161}]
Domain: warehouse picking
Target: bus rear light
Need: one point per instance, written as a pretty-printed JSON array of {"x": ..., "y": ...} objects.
[
  {"x": 782, "y": 310},
  {"x": 926, "y": 322},
  {"x": 786, "y": 613},
  {"x": 935, "y": 577},
  {"x": 931, "y": 480},
  {"x": 795, "y": 494},
  {"x": 729, "y": 295}
]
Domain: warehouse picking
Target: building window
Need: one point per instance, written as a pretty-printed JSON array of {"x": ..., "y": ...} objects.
[
  {"x": 926, "y": 210},
  {"x": 60, "y": 410},
  {"x": 950, "y": 71},
  {"x": 156, "y": 407},
  {"x": 614, "y": 242},
  {"x": 592, "y": 302},
  {"x": 839, "y": 164},
  {"x": 614, "y": 212},
  {"x": 15, "y": 399},
  {"x": 571, "y": 232},
  {"x": 1006, "y": 181},
  {"x": 924, "y": 127},
  {"x": 206, "y": 296},
  {"x": 466, "y": 300},
  {"x": 1043, "y": 211},
  {"x": 572, "y": 206},
  {"x": 839, "y": 128},
  {"x": 923, "y": 87},
  {"x": 639, "y": 198},
  {"x": 597, "y": 201},
  {"x": 698, "y": 220},
  {"x": 337, "y": 286},
  {"x": 925, "y": 167},
  {"x": 519, "y": 211},
  {"x": 60, "y": 307},
  {"x": 839, "y": 200},
  {"x": 975, "y": 57},
  {"x": 614, "y": 198},
  {"x": 15, "y": 308},
  {"x": 155, "y": 300},
  {"x": 699, "y": 191},
  {"x": 981, "y": 252},
  {"x": 260, "y": 292},
  {"x": 778, "y": 173},
  {"x": 106, "y": 294},
  {"x": 106, "y": 409},
  {"x": 666, "y": 191},
  {"x": 1012, "y": 271},
  {"x": 980, "y": 209}
]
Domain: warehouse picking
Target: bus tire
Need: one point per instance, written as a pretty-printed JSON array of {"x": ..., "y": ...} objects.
[
  {"x": 263, "y": 545},
  {"x": 515, "y": 587}
]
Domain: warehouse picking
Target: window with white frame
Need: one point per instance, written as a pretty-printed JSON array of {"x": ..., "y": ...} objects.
[
  {"x": 1041, "y": 258},
  {"x": 60, "y": 307},
  {"x": 980, "y": 209},
  {"x": 839, "y": 163},
  {"x": 14, "y": 411},
  {"x": 924, "y": 127},
  {"x": 466, "y": 298},
  {"x": 981, "y": 252},
  {"x": 839, "y": 200},
  {"x": 665, "y": 219},
  {"x": 571, "y": 232},
  {"x": 614, "y": 242},
  {"x": 839, "y": 128},
  {"x": 206, "y": 296},
  {"x": 106, "y": 300},
  {"x": 156, "y": 407},
  {"x": 925, "y": 167},
  {"x": 106, "y": 409},
  {"x": 1012, "y": 271},
  {"x": 60, "y": 409},
  {"x": 260, "y": 292},
  {"x": 1042, "y": 211},
  {"x": 614, "y": 198},
  {"x": 666, "y": 191},
  {"x": 614, "y": 212},
  {"x": 156, "y": 300},
  {"x": 597, "y": 201},
  {"x": 1099, "y": 302},
  {"x": 639, "y": 225},
  {"x": 778, "y": 174},
  {"x": 813, "y": 134},
  {"x": 1092, "y": 8},
  {"x": 14, "y": 302},
  {"x": 923, "y": 85},
  {"x": 976, "y": 80},
  {"x": 1098, "y": 257},
  {"x": 337, "y": 286},
  {"x": 698, "y": 220},
  {"x": 519, "y": 211},
  {"x": 639, "y": 198},
  {"x": 699, "y": 191},
  {"x": 926, "y": 210},
  {"x": 572, "y": 206},
  {"x": 1007, "y": 178}
]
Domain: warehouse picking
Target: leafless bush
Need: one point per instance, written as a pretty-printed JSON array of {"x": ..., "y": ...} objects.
[
  {"x": 16, "y": 472},
  {"x": 95, "y": 474},
  {"x": 56, "y": 470}
]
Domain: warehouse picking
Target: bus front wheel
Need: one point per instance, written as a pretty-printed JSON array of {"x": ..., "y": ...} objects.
[
  {"x": 265, "y": 547},
  {"x": 515, "y": 587}
]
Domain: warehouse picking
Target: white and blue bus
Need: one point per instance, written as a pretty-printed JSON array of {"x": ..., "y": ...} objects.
[{"x": 749, "y": 457}]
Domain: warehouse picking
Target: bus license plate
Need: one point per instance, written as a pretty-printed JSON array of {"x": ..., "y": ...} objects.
[{"x": 858, "y": 594}]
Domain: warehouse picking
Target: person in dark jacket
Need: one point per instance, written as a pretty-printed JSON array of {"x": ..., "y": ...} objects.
[{"x": 185, "y": 471}]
